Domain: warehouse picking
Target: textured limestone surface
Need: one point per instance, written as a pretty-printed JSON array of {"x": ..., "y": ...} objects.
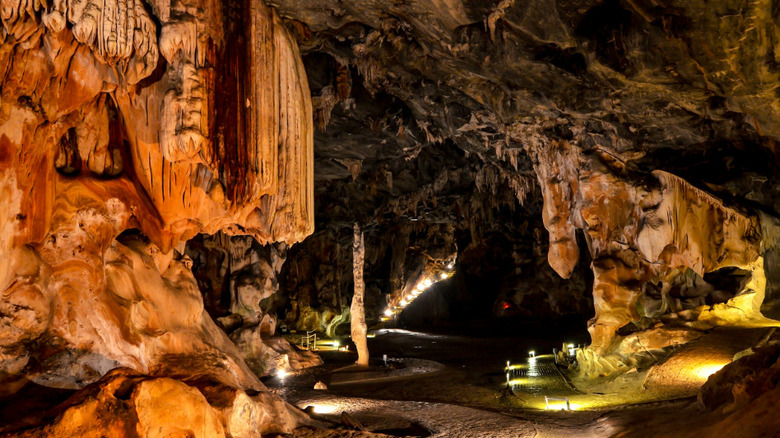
[
  {"x": 238, "y": 278},
  {"x": 126, "y": 128},
  {"x": 606, "y": 159},
  {"x": 125, "y": 403}
]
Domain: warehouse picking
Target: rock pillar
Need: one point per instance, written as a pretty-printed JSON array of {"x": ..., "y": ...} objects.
[{"x": 357, "y": 309}]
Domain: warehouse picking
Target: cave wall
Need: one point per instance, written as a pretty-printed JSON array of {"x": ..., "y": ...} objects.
[
  {"x": 462, "y": 217},
  {"x": 238, "y": 279}
]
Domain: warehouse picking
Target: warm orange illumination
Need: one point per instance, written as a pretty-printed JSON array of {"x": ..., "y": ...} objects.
[
  {"x": 705, "y": 371},
  {"x": 324, "y": 409}
]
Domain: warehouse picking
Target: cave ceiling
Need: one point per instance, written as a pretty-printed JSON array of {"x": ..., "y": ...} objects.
[{"x": 405, "y": 92}]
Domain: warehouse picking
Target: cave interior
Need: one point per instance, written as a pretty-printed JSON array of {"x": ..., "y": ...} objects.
[{"x": 444, "y": 218}]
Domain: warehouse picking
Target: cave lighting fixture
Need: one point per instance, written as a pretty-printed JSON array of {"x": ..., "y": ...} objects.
[
  {"x": 515, "y": 366},
  {"x": 558, "y": 403},
  {"x": 281, "y": 374},
  {"x": 419, "y": 288},
  {"x": 323, "y": 409}
]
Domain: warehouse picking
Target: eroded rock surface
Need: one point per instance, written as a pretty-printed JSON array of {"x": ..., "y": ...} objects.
[
  {"x": 126, "y": 128},
  {"x": 647, "y": 229},
  {"x": 125, "y": 403}
]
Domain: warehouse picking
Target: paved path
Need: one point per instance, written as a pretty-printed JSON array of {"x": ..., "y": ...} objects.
[{"x": 539, "y": 377}]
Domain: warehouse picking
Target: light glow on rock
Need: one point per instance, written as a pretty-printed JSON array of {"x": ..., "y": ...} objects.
[
  {"x": 324, "y": 409},
  {"x": 706, "y": 370}
]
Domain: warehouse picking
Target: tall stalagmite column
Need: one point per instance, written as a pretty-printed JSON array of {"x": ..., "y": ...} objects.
[{"x": 357, "y": 309}]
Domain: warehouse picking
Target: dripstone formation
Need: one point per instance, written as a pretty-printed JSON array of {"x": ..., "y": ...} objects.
[{"x": 126, "y": 128}]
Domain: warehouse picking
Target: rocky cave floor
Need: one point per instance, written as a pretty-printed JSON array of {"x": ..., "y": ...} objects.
[{"x": 469, "y": 398}]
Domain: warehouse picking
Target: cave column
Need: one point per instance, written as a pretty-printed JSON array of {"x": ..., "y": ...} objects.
[
  {"x": 358, "y": 320},
  {"x": 617, "y": 286}
]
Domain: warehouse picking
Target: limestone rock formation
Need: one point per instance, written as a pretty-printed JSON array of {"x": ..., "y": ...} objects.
[
  {"x": 741, "y": 393},
  {"x": 124, "y": 403},
  {"x": 238, "y": 279},
  {"x": 621, "y": 114},
  {"x": 126, "y": 128},
  {"x": 630, "y": 146},
  {"x": 357, "y": 309},
  {"x": 646, "y": 229}
]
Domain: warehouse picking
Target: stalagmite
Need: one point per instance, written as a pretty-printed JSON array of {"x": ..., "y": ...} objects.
[{"x": 358, "y": 323}]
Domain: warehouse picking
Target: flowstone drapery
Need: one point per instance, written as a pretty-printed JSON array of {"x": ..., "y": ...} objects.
[
  {"x": 116, "y": 146},
  {"x": 644, "y": 231}
]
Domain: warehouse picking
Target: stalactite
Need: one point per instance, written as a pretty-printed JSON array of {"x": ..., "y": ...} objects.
[
  {"x": 111, "y": 156},
  {"x": 640, "y": 228}
]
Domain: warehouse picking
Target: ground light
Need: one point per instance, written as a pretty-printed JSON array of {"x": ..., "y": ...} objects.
[
  {"x": 334, "y": 344},
  {"x": 281, "y": 374},
  {"x": 557, "y": 403}
]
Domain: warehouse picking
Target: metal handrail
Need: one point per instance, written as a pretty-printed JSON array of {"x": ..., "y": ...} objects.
[{"x": 309, "y": 341}]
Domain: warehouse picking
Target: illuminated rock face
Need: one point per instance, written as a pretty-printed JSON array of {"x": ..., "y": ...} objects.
[
  {"x": 645, "y": 228},
  {"x": 358, "y": 328},
  {"x": 125, "y": 403},
  {"x": 170, "y": 118}
]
